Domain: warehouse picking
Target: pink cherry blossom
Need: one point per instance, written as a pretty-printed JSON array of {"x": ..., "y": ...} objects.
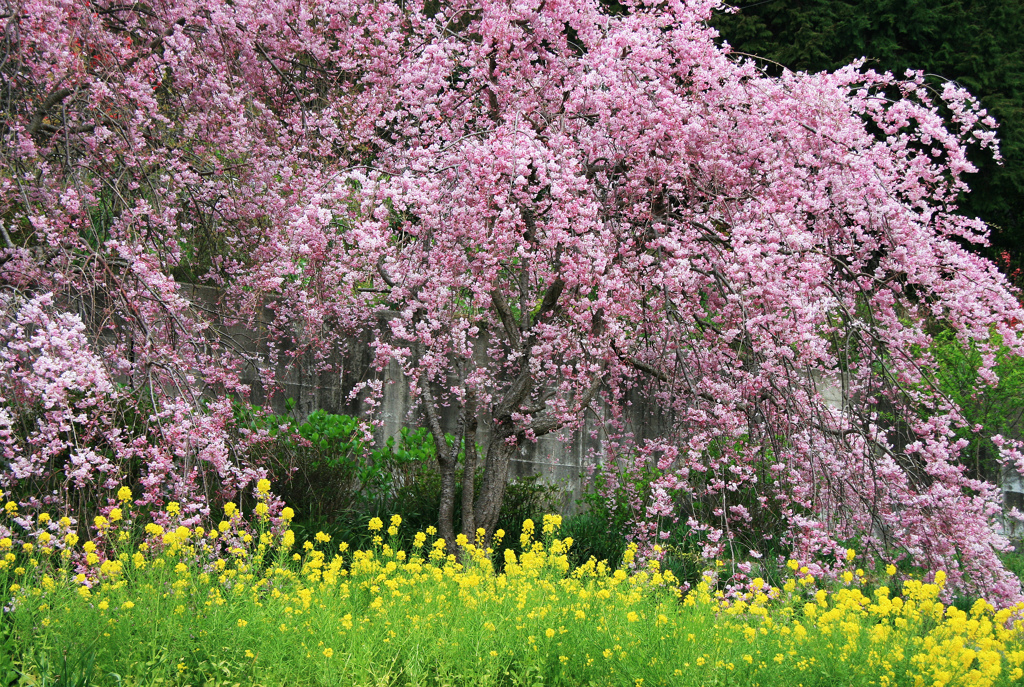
[{"x": 529, "y": 207}]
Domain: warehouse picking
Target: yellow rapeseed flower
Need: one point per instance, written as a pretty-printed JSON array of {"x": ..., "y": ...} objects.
[
  {"x": 375, "y": 525},
  {"x": 263, "y": 486},
  {"x": 551, "y": 523}
]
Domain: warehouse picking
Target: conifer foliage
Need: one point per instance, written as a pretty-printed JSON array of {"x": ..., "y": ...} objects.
[{"x": 599, "y": 202}]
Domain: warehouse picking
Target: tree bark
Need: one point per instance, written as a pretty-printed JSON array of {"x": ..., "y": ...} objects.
[
  {"x": 446, "y": 512},
  {"x": 469, "y": 470},
  {"x": 447, "y": 458},
  {"x": 492, "y": 493}
]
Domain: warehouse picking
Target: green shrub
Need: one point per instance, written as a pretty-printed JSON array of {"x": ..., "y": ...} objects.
[
  {"x": 614, "y": 507},
  {"x": 419, "y": 499},
  {"x": 327, "y": 466}
]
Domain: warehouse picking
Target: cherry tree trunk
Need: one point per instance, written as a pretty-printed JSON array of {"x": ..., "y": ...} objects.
[
  {"x": 446, "y": 512},
  {"x": 500, "y": 452}
]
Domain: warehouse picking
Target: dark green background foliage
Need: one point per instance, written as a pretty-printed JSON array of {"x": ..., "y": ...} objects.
[{"x": 978, "y": 43}]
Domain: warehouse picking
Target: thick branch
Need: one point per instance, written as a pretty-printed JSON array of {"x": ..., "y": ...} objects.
[
  {"x": 469, "y": 468},
  {"x": 519, "y": 390},
  {"x": 384, "y": 274},
  {"x": 433, "y": 419},
  {"x": 549, "y": 423},
  {"x": 36, "y": 123},
  {"x": 647, "y": 369},
  {"x": 505, "y": 315},
  {"x": 550, "y": 301}
]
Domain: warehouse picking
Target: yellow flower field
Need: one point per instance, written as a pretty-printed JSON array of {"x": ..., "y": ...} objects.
[{"x": 240, "y": 605}]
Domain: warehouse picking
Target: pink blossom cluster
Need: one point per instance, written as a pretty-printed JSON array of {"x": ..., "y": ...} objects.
[
  {"x": 69, "y": 433},
  {"x": 528, "y": 206},
  {"x": 57, "y": 398}
]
